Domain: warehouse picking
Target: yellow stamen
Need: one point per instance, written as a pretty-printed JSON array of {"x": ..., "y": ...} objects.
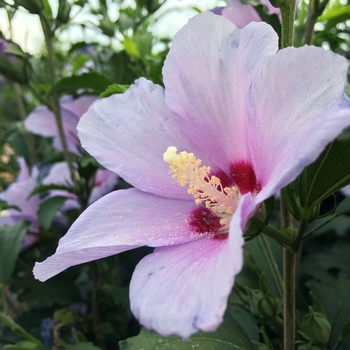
[{"x": 206, "y": 190}]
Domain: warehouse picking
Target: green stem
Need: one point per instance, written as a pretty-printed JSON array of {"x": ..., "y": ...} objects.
[
  {"x": 302, "y": 225},
  {"x": 54, "y": 98},
  {"x": 288, "y": 16},
  {"x": 278, "y": 236},
  {"x": 3, "y": 298},
  {"x": 289, "y": 267},
  {"x": 310, "y": 23},
  {"x": 22, "y": 114},
  {"x": 9, "y": 322},
  {"x": 272, "y": 264}
]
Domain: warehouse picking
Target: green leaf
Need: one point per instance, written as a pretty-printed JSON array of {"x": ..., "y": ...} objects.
[
  {"x": 44, "y": 188},
  {"x": 343, "y": 207},
  {"x": 334, "y": 12},
  {"x": 94, "y": 81},
  {"x": 11, "y": 238},
  {"x": 328, "y": 174},
  {"x": 82, "y": 346},
  {"x": 332, "y": 293},
  {"x": 114, "y": 89},
  {"x": 48, "y": 210},
  {"x": 228, "y": 336},
  {"x": 25, "y": 345},
  {"x": 130, "y": 47}
]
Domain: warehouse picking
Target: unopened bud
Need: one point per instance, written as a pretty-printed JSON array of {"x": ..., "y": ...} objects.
[
  {"x": 315, "y": 326},
  {"x": 265, "y": 306}
]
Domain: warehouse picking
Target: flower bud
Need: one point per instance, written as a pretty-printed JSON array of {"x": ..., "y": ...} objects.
[
  {"x": 12, "y": 65},
  {"x": 265, "y": 306},
  {"x": 315, "y": 326}
]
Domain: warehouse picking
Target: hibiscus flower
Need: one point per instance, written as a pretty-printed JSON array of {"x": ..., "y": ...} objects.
[{"x": 237, "y": 121}]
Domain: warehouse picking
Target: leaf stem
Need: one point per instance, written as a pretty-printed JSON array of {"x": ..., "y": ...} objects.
[{"x": 16, "y": 328}]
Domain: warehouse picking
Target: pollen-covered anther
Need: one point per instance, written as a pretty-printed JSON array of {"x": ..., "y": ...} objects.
[{"x": 205, "y": 189}]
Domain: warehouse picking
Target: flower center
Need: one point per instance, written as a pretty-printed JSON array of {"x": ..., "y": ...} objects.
[{"x": 206, "y": 190}]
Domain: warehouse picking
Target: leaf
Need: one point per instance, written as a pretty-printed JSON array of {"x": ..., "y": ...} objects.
[
  {"x": 334, "y": 12},
  {"x": 332, "y": 293},
  {"x": 130, "y": 47},
  {"x": 328, "y": 174},
  {"x": 25, "y": 345},
  {"x": 114, "y": 89},
  {"x": 94, "y": 81},
  {"x": 44, "y": 188},
  {"x": 333, "y": 258},
  {"x": 11, "y": 238},
  {"x": 82, "y": 346},
  {"x": 227, "y": 337},
  {"x": 48, "y": 210},
  {"x": 343, "y": 207}
]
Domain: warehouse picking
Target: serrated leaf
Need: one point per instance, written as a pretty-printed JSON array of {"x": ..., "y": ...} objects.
[
  {"x": 11, "y": 238},
  {"x": 328, "y": 174},
  {"x": 228, "y": 336},
  {"x": 114, "y": 89},
  {"x": 94, "y": 81},
  {"x": 48, "y": 210}
]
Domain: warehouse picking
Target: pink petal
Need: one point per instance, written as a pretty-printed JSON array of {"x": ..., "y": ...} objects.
[
  {"x": 77, "y": 106},
  {"x": 41, "y": 121},
  {"x": 17, "y": 194},
  {"x": 240, "y": 14},
  {"x": 120, "y": 221},
  {"x": 59, "y": 174},
  {"x": 129, "y": 133},
  {"x": 206, "y": 82},
  {"x": 24, "y": 171},
  {"x": 179, "y": 290},
  {"x": 296, "y": 110},
  {"x": 105, "y": 182}
]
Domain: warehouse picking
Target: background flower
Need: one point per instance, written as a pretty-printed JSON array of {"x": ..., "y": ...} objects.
[{"x": 42, "y": 121}]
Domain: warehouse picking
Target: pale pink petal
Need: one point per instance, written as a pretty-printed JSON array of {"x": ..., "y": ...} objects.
[
  {"x": 77, "y": 106},
  {"x": 24, "y": 171},
  {"x": 345, "y": 191},
  {"x": 179, "y": 290},
  {"x": 17, "y": 194},
  {"x": 129, "y": 133},
  {"x": 206, "y": 82},
  {"x": 120, "y": 221},
  {"x": 41, "y": 121},
  {"x": 295, "y": 111},
  {"x": 240, "y": 14},
  {"x": 105, "y": 182},
  {"x": 59, "y": 174},
  {"x": 271, "y": 8}
]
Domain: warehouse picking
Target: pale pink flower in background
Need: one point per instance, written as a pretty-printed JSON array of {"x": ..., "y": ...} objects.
[
  {"x": 41, "y": 121},
  {"x": 17, "y": 194},
  {"x": 242, "y": 14},
  {"x": 59, "y": 174},
  {"x": 253, "y": 114}
]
